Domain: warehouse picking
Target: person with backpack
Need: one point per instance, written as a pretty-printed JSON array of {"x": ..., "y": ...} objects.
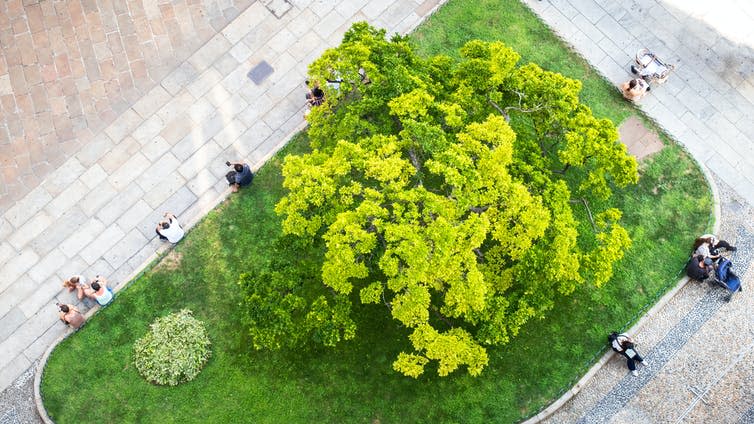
[{"x": 624, "y": 345}]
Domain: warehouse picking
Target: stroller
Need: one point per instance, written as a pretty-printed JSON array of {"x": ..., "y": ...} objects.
[
  {"x": 725, "y": 277},
  {"x": 650, "y": 67}
]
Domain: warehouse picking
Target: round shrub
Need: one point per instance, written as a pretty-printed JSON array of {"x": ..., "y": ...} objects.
[{"x": 174, "y": 350}]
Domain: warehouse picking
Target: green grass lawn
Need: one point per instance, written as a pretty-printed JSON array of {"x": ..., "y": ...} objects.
[{"x": 90, "y": 376}]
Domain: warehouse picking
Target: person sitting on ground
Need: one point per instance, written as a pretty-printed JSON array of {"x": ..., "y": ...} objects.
[
  {"x": 624, "y": 345},
  {"x": 699, "y": 268},
  {"x": 635, "y": 89},
  {"x": 240, "y": 176},
  {"x": 74, "y": 282},
  {"x": 99, "y": 291},
  {"x": 315, "y": 96},
  {"x": 70, "y": 315},
  {"x": 169, "y": 229},
  {"x": 708, "y": 246}
]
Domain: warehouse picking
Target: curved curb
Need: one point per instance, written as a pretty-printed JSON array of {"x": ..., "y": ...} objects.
[{"x": 553, "y": 407}]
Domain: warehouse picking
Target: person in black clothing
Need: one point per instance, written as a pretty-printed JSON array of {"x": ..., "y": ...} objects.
[
  {"x": 315, "y": 96},
  {"x": 699, "y": 267},
  {"x": 240, "y": 176}
]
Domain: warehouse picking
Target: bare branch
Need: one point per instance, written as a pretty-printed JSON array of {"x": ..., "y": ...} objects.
[
  {"x": 499, "y": 109},
  {"x": 588, "y": 211},
  {"x": 479, "y": 254}
]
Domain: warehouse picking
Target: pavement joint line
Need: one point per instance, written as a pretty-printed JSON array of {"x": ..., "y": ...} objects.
[{"x": 726, "y": 371}]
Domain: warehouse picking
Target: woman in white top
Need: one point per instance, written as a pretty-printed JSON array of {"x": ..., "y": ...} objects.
[
  {"x": 708, "y": 246},
  {"x": 624, "y": 345},
  {"x": 169, "y": 229}
]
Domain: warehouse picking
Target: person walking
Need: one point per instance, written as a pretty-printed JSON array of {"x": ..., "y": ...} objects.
[{"x": 624, "y": 345}]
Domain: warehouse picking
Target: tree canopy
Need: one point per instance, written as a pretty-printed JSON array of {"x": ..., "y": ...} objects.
[{"x": 445, "y": 190}]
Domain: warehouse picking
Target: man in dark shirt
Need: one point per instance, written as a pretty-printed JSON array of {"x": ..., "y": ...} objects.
[
  {"x": 697, "y": 268},
  {"x": 240, "y": 176}
]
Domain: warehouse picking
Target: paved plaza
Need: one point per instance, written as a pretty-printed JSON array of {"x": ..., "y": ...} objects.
[{"x": 115, "y": 111}]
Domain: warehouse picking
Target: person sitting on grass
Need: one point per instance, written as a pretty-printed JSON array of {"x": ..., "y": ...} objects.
[
  {"x": 99, "y": 291},
  {"x": 170, "y": 229},
  {"x": 240, "y": 176},
  {"x": 70, "y": 315},
  {"x": 315, "y": 96}
]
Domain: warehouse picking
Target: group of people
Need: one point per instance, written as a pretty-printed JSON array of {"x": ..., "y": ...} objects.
[
  {"x": 705, "y": 253},
  {"x": 168, "y": 229},
  {"x": 315, "y": 96},
  {"x": 97, "y": 290}
]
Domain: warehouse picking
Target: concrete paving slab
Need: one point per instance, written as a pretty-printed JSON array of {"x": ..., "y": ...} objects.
[{"x": 17, "y": 266}]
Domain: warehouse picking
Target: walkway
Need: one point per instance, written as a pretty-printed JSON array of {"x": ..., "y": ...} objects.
[
  {"x": 96, "y": 210},
  {"x": 699, "y": 348}
]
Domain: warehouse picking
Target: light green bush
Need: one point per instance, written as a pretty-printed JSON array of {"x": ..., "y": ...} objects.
[{"x": 174, "y": 351}]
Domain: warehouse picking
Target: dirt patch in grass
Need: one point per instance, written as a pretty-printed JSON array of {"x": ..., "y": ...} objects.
[{"x": 170, "y": 262}]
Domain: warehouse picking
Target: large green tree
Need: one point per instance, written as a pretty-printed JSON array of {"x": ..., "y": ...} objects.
[{"x": 445, "y": 190}]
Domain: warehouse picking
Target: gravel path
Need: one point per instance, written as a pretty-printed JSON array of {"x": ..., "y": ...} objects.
[{"x": 17, "y": 401}]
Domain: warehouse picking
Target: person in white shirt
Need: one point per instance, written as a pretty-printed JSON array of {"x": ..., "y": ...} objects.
[
  {"x": 624, "y": 345},
  {"x": 169, "y": 229}
]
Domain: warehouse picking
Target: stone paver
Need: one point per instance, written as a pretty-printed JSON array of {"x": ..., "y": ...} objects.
[{"x": 169, "y": 109}]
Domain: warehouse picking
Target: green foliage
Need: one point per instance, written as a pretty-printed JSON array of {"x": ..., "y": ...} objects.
[
  {"x": 276, "y": 306},
  {"x": 174, "y": 350},
  {"x": 444, "y": 189}
]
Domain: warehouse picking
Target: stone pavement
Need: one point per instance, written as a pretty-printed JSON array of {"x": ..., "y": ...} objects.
[
  {"x": 95, "y": 213},
  {"x": 68, "y": 69},
  {"x": 699, "y": 348}
]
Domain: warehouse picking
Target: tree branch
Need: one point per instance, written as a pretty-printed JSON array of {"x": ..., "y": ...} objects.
[
  {"x": 588, "y": 211},
  {"x": 479, "y": 254},
  {"x": 499, "y": 109},
  {"x": 478, "y": 210}
]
